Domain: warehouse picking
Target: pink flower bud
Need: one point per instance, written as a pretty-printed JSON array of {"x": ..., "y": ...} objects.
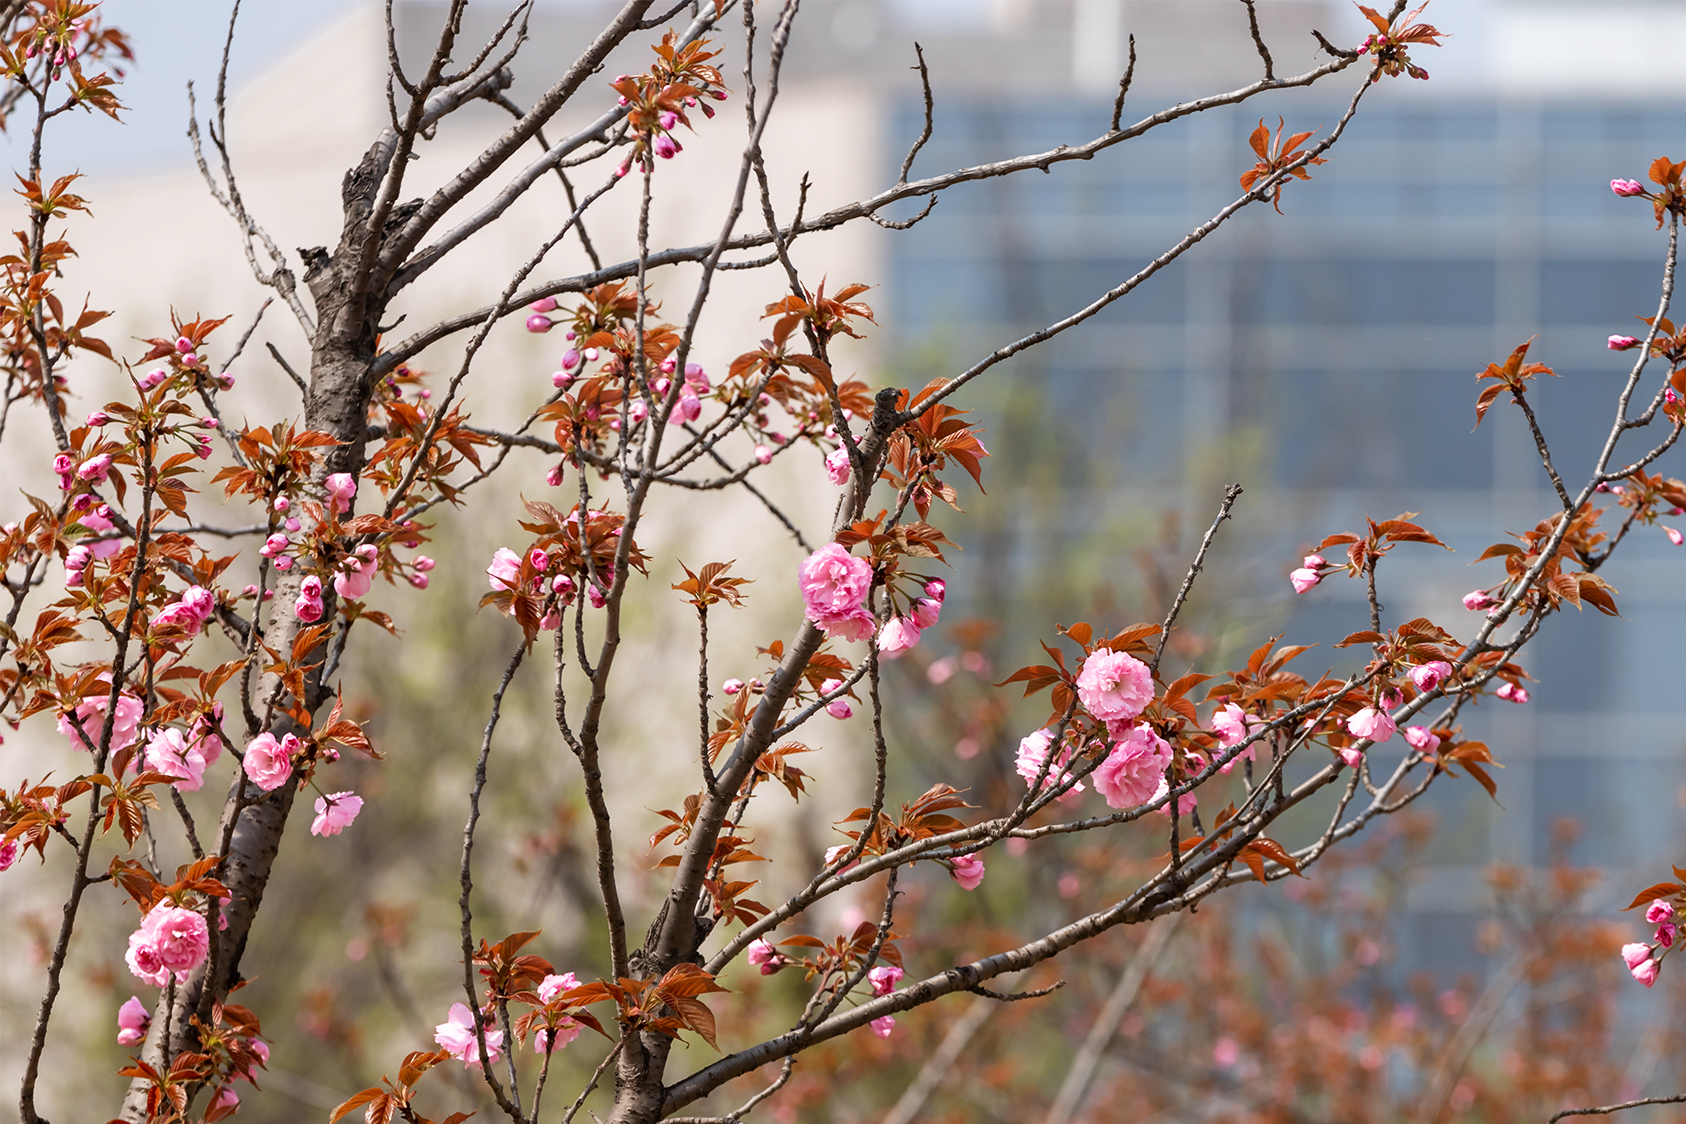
[
  {"x": 884, "y": 1027},
  {"x": 667, "y": 119},
  {"x": 731, "y": 686},
  {"x": 1665, "y": 934},
  {"x": 897, "y": 636},
  {"x": 190, "y": 360},
  {"x": 538, "y": 559},
  {"x": 1478, "y": 599},
  {"x": 554, "y": 477},
  {"x": 63, "y": 463},
  {"x": 598, "y": 600},
  {"x": 292, "y": 524},
  {"x": 544, "y": 304},
  {"x": 1421, "y": 739},
  {"x": 935, "y": 589},
  {"x": 1304, "y": 579},
  {"x": 1512, "y": 692},
  {"x": 590, "y": 354},
  {"x": 97, "y": 419},
  {"x": 837, "y": 466},
  {"x": 282, "y": 504},
  {"x": 665, "y": 147},
  {"x": 764, "y": 955},
  {"x": 570, "y": 359},
  {"x": 183, "y": 344},
  {"x": 538, "y": 323},
  {"x": 968, "y": 870},
  {"x": 285, "y": 562},
  {"x": 1428, "y": 676},
  {"x": 1314, "y": 562},
  {"x": 1627, "y": 187},
  {"x": 94, "y": 469},
  {"x": 1658, "y": 912},
  {"x": 1622, "y": 343},
  {"x": 763, "y": 455},
  {"x": 419, "y": 580},
  {"x": 925, "y": 612},
  {"x": 1674, "y": 536}
]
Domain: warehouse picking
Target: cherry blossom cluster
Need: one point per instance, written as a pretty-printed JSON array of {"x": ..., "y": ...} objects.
[{"x": 1645, "y": 960}]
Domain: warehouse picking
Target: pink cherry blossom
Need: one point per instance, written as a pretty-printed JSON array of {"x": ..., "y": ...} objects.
[
  {"x": 1478, "y": 599},
  {"x": 226, "y": 1098},
  {"x": 99, "y": 522},
  {"x": 839, "y": 707},
  {"x": 90, "y": 719},
  {"x": 834, "y": 585},
  {"x": 884, "y": 978},
  {"x": 1659, "y": 911},
  {"x": 456, "y": 1035},
  {"x": 763, "y": 455},
  {"x": 1674, "y": 536},
  {"x": 132, "y": 1020},
  {"x": 1665, "y": 934},
  {"x": 885, "y": 1026},
  {"x": 1114, "y": 686},
  {"x": 95, "y": 469},
  {"x": 539, "y": 323},
  {"x": 553, "y": 986},
  {"x": 1226, "y": 1053},
  {"x": 1033, "y": 751},
  {"x": 731, "y": 686},
  {"x": 1513, "y": 692},
  {"x": 308, "y": 606},
  {"x": 665, "y": 146},
  {"x": 170, "y": 939},
  {"x": 1627, "y": 187},
  {"x": 342, "y": 489},
  {"x": 1621, "y": 343},
  {"x": 764, "y": 955},
  {"x": 837, "y": 466},
  {"x": 1314, "y": 562},
  {"x": 925, "y": 612},
  {"x": 1376, "y": 725},
  {"x": 269, "y": 762},
  {"x": 1133, "y": 769},
  {"x": 1230, "y": 724},
  {"x": 1303, "y": 580},
  {"x": 897, "y": 636},
  {"x": 1645, "y": 972},
  {"x": 334, "y": 812},
  {"x": 548, "y": 1041},
  {"x": 1421, "y": 739},
  {"x": 1635, "y": 954},
  {"x": 170, "y": 753},
  {"x": 501, "y": 575},
  {"x": 1430, "y": 675},
  {"x": 354, "y": 583},
  {"x": 968, "y": 870}
]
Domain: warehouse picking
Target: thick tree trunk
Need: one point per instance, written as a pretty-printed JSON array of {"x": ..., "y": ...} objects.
[{"x": 342, "y": 354}]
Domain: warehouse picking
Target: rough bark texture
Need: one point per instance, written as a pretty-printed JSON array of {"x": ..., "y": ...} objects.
[{"x": 342, "y": 355}]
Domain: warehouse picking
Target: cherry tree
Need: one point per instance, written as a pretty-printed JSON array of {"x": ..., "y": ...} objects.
[{"x": 174, "y": 661}]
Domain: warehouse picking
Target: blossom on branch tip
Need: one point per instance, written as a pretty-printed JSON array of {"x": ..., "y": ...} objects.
[
  {"x": 1658, "y": 912},
  {"x": 456, "y": 1035},
  {"x": 1627, "y": 188},
  {"x": 334, "y": 812},
  {"x": 1133, "y": 769},
  {"x": 897, "y": 636},
  {"x": 731, "y": 686},
  {"x": 1430, "y": 675},
  {"x": 354, "y": 583},
  {"x": 968, "y": 870},
  {"x": 1033, "y": 751},
  {"x": 762, "y": 954},
  {"x": 839, "y": 707},
  {"x": 1114, "y": 686},
  {"x": 1513, "y": 692},
  {"x": 132, "y": 1020},
  {"x": 1674, "y": 536},
  {"x": 1304, "y": 579},
  {"x": 837, "y": 466},
  {"x": 1622, "y": 343},
  {"x": 1373, "y": 724},
  {"x": 883, "y": 1027},
  {"x": 763, "y": 455},
  {"x": 539, "y": 323},
  {"x": 925, "y": 612},
  {"x": 884, "y": 979},
  {"x": 1421, "y": 739},
  {"x": 1478, "y": 599}
]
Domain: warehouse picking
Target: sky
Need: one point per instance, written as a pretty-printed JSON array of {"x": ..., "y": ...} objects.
[{"x": 175, "y": 41}]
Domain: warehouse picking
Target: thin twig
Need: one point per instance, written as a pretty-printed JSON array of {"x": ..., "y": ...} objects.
[{"x": 1231, "y": 494}]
